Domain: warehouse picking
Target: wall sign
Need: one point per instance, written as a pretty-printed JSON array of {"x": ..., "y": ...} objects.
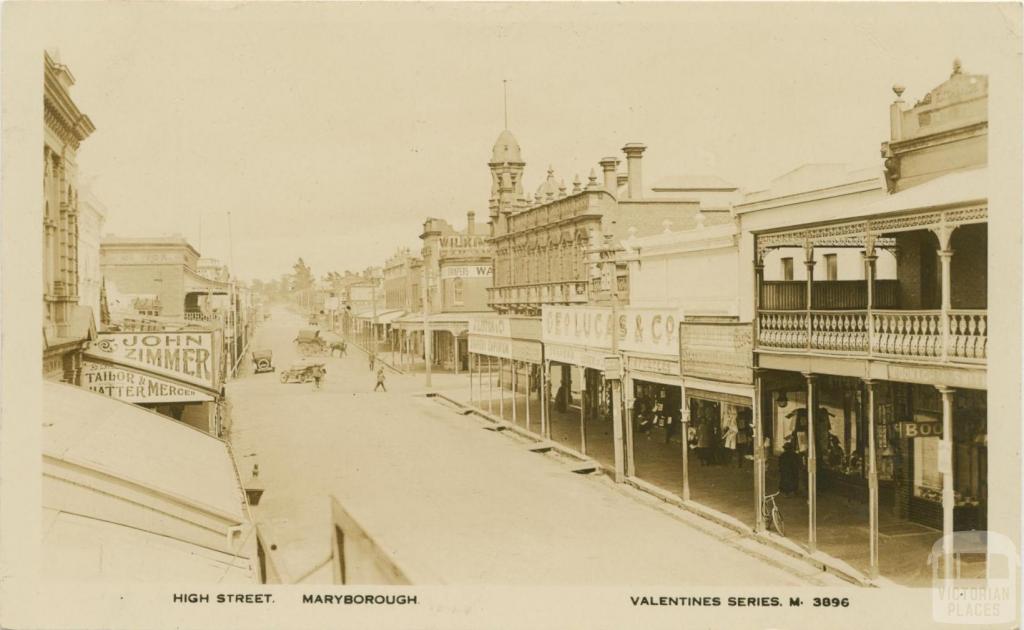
[
  {"x": 188, "y": 357},
  {"x": 657, "y": 366},
  {"x": 575, "y": 355},
  {"x": 919, "y": 429},
  {"x": 490, "y": 326},
  {"x": 466, "y": 271},
  {"x": 717, "y": 351},
  {"x": 490, "y": 346},
  {"x": 136, "y": 386},
  {"x": 648, "y": 330}
]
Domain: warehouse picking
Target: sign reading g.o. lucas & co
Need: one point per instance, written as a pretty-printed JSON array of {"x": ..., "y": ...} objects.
[
  {"x": 136, "y": 386},
  {"x": 641, "y": 330},
  {"x": 188, "y": 357}
]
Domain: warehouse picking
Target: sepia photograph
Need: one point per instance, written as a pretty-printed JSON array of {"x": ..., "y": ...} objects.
[{"x": 510, "y": 315}]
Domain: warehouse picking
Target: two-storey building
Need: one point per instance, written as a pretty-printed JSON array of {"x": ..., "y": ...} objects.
[
  {"x": 68, "y": 326},
  {"x": 552, "y": 288},
  {"x": 876, "y": 378},
  {"x": 456, "y": 269}
]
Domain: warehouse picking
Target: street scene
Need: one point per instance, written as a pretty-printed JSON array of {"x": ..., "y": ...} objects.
[{"x": 524, "y": 300}]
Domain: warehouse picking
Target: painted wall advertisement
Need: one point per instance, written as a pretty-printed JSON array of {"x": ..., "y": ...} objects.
[
  {"x": 465, "y": 271},
  {"x": 136, "y": 386},
  {"x": 717, "y": 351},
  {"x": 492, "y": 336},
  {"x": 187, "y": 357},
  {"x": 643, "y": 330}
]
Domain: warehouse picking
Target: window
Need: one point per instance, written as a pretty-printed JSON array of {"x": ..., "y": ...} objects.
[
  {"x": 457, "y": 291},
  {"x": 831, "y": 267},
  {"x": 787, "y": 268}
]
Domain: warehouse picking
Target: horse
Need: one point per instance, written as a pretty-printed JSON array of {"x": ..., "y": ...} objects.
[{"x": 340, "y": 346}]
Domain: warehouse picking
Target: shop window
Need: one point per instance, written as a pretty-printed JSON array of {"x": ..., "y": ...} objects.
[{"x": 787, "y": 269}]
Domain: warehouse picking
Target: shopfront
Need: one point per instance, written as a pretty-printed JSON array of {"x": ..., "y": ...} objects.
[
  {"x": 653, "y": 395},
  {"x": 716, "y": 357},
  {"x": 173, "y": 373},
  {"x": 506, "y": 380},
  {"x": 909, "y": 430},
  {"x": 577, "y": 341}
]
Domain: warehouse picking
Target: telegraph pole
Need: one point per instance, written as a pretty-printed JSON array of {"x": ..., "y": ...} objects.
[{"x": 426, "y": 320}]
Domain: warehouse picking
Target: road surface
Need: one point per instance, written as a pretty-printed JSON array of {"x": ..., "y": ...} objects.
[{"x": 460, "y": 503}]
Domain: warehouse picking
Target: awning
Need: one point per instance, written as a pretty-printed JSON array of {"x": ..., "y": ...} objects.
[
  {"x": 955, "y": 189},
  {"x": 109, "y": 467},
  {"x": 195, "y": 283},
  {"x": 388, "y": 317}
]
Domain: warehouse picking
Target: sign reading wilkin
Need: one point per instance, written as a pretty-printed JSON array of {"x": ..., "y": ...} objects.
[{"x": 189, "y": 357}]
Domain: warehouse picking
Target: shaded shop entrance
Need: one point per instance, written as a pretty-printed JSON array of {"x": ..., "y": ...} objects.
[
  {"x": 720, "y": 437},
  {"x": 656, "y": 438},
  {"x": 580, "y": 411},
  {"x": 907, "y": 434},
  {"x": 506, "y": 375}
]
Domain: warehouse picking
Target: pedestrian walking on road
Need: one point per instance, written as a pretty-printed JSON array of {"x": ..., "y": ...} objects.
[
  {"x": 373, "y": 361},
  {"x": 380, "y": 380},
  {"x": 318, "y": 375}
]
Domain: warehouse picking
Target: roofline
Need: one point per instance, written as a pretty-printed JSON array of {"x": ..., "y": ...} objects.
[{"x": 813, "y": 194}]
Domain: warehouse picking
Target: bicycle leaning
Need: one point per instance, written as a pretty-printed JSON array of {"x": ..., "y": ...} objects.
[{"x": 772, "y": 515}]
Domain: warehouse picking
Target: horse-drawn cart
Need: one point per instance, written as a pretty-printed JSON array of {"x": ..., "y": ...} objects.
[{"x": 310, "y": 343}]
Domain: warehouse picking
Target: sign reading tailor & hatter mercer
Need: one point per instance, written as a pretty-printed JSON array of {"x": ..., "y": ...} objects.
[
  {"x": 189, "y": 357},
  {"x": 136, "y": 386},
  {"x": 647, "y": 330}
]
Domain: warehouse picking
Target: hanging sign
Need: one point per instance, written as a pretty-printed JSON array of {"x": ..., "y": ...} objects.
[{"x": 136, "y": 386}]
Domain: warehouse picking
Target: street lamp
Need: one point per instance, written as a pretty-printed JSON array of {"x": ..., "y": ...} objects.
[{"x": 604, "y": 256}]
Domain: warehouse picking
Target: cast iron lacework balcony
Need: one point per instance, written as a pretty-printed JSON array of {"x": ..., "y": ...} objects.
[{"x": 866, "y": 318}]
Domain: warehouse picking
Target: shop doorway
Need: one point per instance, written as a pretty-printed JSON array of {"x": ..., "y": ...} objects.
[{"x": 657, "y": 434}]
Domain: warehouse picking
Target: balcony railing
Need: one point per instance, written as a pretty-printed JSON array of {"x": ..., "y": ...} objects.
[
  {"x": 571, "y": 292},
  {"x": 888, "y": 334},
  {"x": 781, "y": 295}
]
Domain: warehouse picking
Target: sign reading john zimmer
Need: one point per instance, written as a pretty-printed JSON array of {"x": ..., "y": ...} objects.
[{"x": 189, "y": 357}]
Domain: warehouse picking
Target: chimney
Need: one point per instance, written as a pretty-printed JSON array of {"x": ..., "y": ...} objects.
[
  {"x": 609, "y": 165},
  {"x": 896, "y": 114},
  {"x": 634, "y": 151},
  {"x": 470, "y": 223}
]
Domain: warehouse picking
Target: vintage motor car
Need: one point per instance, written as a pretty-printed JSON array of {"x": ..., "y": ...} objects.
[
  {"x": 301, "y": 371},
  {"x": 263, "y": 361}
]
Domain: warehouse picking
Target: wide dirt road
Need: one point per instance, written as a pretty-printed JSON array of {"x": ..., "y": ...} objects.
[{"x": 459, "y": 504}]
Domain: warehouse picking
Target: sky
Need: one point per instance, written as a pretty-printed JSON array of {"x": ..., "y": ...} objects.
[{"x": 331, "y": 131}]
